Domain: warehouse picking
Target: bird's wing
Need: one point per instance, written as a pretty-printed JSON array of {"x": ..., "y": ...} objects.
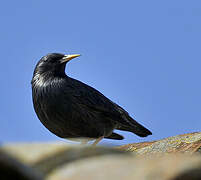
[{"x": 93, "y": 99}]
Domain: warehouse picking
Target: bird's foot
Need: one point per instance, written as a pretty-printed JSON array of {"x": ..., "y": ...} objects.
[
  {"x": 84, "y": 141},
  {"x": 97, "y": 140}
]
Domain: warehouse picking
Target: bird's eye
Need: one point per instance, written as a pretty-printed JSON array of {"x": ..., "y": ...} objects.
[{"x": 54, "y": 60}]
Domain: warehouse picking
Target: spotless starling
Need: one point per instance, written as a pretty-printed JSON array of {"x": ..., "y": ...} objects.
[{"x": 71, "y": 109}]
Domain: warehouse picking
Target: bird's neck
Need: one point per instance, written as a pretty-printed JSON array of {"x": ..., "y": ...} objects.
[{"x": 47, "y": 78}]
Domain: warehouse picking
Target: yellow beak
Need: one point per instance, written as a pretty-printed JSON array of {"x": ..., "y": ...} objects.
[{"x": 67, "y": 58}]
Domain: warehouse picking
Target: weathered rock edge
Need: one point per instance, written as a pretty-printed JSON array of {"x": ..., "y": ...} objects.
[{"x": 172, "y": 158}]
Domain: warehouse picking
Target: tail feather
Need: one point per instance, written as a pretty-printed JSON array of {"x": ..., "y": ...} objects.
[
  {"x": 140, "y": 131},
  {"x": 127, "y": 123},
  {"x": 135, "y": 128},
  {"x": 115, "y": 136}
]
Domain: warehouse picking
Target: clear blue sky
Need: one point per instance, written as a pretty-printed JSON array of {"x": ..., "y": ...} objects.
[{"x": 143, "y": 55}]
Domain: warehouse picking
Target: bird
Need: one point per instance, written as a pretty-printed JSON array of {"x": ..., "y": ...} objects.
[{"x": 71, "y": 109}]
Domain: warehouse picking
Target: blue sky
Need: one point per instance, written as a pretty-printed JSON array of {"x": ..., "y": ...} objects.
[{"x": 143, "y": 55}]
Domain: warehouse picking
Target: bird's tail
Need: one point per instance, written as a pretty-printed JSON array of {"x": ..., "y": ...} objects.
[{"x": 135, "y": 128}]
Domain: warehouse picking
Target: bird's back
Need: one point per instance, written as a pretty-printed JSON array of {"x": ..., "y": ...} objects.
[{"x": 95, "y": 101}]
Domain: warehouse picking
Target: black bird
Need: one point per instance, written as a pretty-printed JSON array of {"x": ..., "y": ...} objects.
[{"x": 71, "y": 109}]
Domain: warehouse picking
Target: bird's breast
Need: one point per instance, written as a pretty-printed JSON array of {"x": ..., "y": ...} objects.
[{"x": 51, "y": 103}]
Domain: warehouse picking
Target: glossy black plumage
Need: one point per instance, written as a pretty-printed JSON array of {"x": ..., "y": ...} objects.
[{"x": 72, "y": 109}]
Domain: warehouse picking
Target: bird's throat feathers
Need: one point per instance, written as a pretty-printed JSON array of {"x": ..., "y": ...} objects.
[{"x": 45, "y": 79}]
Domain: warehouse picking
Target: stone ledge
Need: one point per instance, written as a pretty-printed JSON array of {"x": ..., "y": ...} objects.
[{"x": 173, "y": 158}]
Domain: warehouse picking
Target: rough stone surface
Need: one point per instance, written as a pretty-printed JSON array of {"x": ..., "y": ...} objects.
[
  {"x": 173, "y": 158},
  {"x": 46, "y": 158},
  {"x": 187, "y": 143},
  {"x": 171, "y": 167},
  {"x": 32, "y": 152}
]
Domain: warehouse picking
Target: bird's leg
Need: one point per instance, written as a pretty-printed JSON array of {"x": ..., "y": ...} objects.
[
  {"x": 97, "y": 140},
  {"x": 84, "y": 141}
]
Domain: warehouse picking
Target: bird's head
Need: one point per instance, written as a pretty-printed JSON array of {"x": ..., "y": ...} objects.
[{"x": 53, "y": 63}]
